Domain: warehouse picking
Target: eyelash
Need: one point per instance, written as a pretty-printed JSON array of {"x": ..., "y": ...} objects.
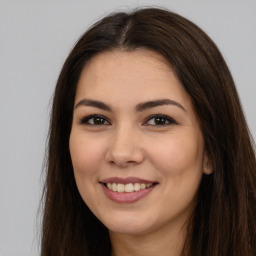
[
  {"x": 160, "y": 117},
  {"x": 86, "y": 119}
]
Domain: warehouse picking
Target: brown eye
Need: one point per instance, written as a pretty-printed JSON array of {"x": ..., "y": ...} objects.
[
  {"x": 97, "y": 121},
  {"x": 160, "y": 120},
  {"x": 94, "y": 120}
]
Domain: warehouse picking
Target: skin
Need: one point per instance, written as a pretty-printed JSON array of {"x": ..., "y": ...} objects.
[{"x": 129, "y": 144}]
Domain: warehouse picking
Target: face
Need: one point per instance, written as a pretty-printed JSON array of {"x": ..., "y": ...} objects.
[{"x": 136, "y": 146}]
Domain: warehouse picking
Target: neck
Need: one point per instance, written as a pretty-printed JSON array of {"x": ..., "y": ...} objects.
[{"x": 165, "y": 242}]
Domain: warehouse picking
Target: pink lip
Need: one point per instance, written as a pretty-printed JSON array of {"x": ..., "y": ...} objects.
[
  {"x": 124, "y": 197},
  {"x": 127, "y": 180}
]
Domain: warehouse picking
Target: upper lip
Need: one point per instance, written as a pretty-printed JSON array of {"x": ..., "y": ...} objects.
[{"x": 127, "y": 180}]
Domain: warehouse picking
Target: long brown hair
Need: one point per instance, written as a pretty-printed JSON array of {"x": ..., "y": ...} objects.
[{"x": 223, "y": 223}]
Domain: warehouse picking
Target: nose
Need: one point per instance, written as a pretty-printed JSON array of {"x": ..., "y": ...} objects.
[{"x": 125, "y": 148}]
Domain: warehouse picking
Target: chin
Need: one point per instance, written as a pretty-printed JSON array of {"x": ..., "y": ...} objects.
[
  {"x": 128, "y": 229},
  {"x": 127, "y": 225}
]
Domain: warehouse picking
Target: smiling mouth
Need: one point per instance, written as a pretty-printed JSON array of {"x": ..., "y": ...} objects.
[{"x": 128, "y": 188}]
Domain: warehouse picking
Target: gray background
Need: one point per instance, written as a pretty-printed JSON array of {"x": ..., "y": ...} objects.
[{"x": 35, "y": 38}]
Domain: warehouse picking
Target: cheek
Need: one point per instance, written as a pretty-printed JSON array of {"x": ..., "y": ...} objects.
[
  {"x": 179, "y": 155},
  {"x": 179, "y": 161},
  {"x": 85, "y": 154}
]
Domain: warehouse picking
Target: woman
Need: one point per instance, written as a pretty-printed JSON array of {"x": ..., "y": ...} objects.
[{"x": 149, "y": 151}]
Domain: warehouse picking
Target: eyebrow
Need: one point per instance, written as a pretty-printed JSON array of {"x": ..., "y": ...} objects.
[
  {"x": 93, "y": 103},
  {"x": 139, "y": 108},
  {"x": 156, "y": 103}
]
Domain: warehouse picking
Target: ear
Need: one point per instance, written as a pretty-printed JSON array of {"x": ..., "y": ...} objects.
[{"x": 207, "y": 164}]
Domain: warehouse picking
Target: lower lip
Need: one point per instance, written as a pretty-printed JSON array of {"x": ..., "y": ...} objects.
[{"x": 126, "y": 197}]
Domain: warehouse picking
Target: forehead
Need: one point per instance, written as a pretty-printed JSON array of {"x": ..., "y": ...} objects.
[
  {"x": 120, "y": 75},
  {"x": 143, "y": 57}
]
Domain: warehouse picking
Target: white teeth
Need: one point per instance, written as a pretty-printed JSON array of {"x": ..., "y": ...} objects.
[
  {"x": 114, "y": 188},
  {"x": 143, "y": 186},
  {"x": 136, "y": 186},
  {"x": 118, "y": 187},
  {"x": 128, "y": 187}
]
